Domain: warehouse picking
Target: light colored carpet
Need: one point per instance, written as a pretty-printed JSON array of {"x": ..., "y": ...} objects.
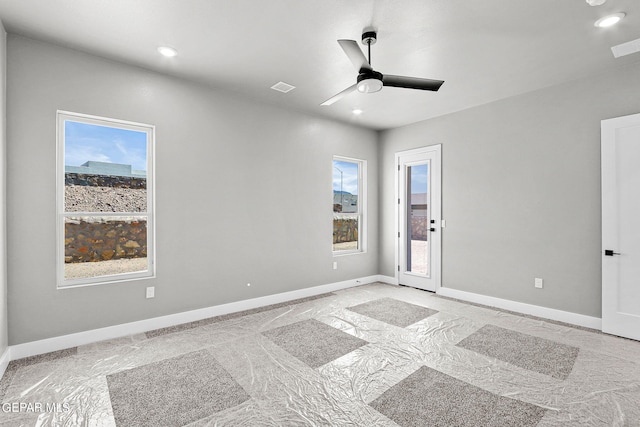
[
  {"x": 523, "y": 350},
  {"x": 313, "y": 342},
  {"x": 393, "y": 312},
  {"x": 318, "y": 363},
  {"x": 430, "y": 398},
  {"x": 173, "y": 392}
]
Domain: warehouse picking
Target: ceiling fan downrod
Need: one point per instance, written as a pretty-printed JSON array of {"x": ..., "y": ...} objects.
[
  {"x": 369, "y": 38},
  {"x": 369, "y": 81}
]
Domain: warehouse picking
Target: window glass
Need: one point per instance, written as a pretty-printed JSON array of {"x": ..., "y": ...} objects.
[
  {"x": 347, "y": 205},
  {"x": 105, "y": 220}
]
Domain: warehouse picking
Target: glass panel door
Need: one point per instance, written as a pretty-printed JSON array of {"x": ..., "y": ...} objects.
[{"x": 417, "y": 219}]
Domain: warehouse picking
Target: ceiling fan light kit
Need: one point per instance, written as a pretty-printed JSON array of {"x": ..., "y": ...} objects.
[{"x": 369, "y": 80}]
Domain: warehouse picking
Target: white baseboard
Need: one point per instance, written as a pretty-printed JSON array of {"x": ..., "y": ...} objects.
[
  {"x": 33, "y": 348},
  {"x": 519, "y": 307},
  {"x": 387, "y": 279},
  {"x": 4, "y": 361},
  {"x": 87, "y": 337}
]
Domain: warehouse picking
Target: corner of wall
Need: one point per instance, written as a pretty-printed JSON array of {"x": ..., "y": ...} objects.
[
  {"x": 4, "y": 330},
  {"x": 380, "y": 183}
]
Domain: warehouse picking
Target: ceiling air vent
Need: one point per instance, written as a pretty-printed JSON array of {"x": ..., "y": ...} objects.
[
  {"x": 283, "y": 87},
  {"x": 626, "y": 48}
]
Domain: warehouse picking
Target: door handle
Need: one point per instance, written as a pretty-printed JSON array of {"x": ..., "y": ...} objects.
[{"x": 610, "y": 252}]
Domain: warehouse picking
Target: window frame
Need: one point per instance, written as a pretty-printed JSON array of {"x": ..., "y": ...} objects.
[
  {"x": 362, "y": 206},
  {"x": 61, "y": 283}
]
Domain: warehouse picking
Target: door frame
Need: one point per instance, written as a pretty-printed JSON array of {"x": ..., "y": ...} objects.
[
  {"x": 613, "y": 321},
  {"x": 435, "y": 155}
]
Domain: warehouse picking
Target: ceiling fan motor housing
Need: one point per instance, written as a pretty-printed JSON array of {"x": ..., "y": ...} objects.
[{"x": 369, "y": 81}]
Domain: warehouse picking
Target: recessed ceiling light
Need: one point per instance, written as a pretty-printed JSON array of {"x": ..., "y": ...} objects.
[
  {"x": 596, "y": 2},
  {"x": 167, "y": 51},
  {"x": 356, "y": 111},
  {"x": 609, "y": 20}
]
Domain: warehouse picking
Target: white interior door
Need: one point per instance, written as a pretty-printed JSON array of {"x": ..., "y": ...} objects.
[
  {"x": 621, "y": 226},
  {"x": 418, "y": 217}
]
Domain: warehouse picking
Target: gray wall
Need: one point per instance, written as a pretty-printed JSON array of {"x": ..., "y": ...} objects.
[
  {"x": 521, "y": 191},
  {"x": 3, "y": 144},
  {"x": 221, "y": 161}
]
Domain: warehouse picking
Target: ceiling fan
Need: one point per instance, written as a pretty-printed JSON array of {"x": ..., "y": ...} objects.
[{"x": 370, "y": 80}]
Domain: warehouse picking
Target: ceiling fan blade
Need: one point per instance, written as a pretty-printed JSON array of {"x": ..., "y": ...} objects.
[
  {"x": 355, "y": 55},
  {"x": 411, "y": 82},
  {"x": 337, "y": 97}
]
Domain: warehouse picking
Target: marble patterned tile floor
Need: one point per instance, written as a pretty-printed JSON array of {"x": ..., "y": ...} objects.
[{"x": 373, "y": 355}]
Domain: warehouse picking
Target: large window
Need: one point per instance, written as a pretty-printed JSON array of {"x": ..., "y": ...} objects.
[
  {"x": 348, "y": 205},
  {"x": 105, "y": 200}
]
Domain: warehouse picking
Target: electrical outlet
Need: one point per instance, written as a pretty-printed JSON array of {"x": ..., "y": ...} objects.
[
  {"x": 335, "y": 265},
  {"x": 151, "y": 292},
  {"x": 538, "y": 283}
]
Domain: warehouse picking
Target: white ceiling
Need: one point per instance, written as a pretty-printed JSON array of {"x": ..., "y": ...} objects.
[{"x": 484, "y": 49}]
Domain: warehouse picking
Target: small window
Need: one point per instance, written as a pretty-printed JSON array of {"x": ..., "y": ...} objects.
[
  {"x": 105, "y": 200},
  {"x": 348, "y": 205}
]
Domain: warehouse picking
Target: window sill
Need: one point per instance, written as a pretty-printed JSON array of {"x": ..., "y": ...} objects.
[
  {"x": 344, "y": 253},
  {"x": 105, "y": 281}
]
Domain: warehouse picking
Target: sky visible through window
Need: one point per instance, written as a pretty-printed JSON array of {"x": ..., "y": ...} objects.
[
  {"x": 345, "y": 176},
  {"x": 85, "y": 142},
  {"x": 419, "y": 179}
]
